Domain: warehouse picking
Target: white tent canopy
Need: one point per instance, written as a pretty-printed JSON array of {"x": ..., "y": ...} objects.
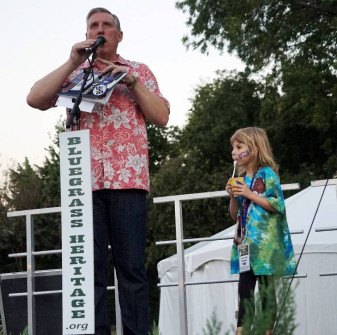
[{"x": 315, "y": 295}]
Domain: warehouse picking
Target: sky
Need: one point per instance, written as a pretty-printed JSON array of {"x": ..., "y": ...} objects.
[{"x": 37, "y": 35}]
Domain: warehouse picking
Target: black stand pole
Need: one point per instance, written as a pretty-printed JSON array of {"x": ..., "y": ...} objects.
[{"x": 75, "y": 111}]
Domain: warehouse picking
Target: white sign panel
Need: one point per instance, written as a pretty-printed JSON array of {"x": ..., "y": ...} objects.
[{"x": 77, "y": 234}]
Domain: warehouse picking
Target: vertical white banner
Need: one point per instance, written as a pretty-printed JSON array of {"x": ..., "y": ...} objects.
[{"x": 77, "y": 234}]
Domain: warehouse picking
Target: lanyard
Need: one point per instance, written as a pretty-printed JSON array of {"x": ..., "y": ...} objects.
[{"x": 245, "y": 203}]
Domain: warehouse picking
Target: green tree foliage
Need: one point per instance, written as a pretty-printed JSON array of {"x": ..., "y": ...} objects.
[
  {"x": 163, "y": 145},
  {"x": 19, "y": 193},
  {"x": 294, "y": 43},
  {"x": 49, "y": 172},
  {"x": 265, "y": 32},
  {"x": 213, "y": 326},
  {"x": 219, "y": 108},
  {"x": 23, "y": 188},
  {"x": 204, "y": 164},
  {"x": 28, "y": 187}
]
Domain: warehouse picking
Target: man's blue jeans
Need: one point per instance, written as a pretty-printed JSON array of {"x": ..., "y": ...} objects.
[{"x": 120, "y": 219}]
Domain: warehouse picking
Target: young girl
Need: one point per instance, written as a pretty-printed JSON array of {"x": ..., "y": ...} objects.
[{"x": 262, "y": 245}]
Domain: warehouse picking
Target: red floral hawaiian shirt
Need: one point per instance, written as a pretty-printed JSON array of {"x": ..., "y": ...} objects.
[{"x": 118, "y": 136}]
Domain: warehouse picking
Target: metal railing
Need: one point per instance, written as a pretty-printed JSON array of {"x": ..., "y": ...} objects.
[
  {"x": 180, "y": 241},
  {"x": 320, "y": 230},
  {"x": 31, "y": 273}
]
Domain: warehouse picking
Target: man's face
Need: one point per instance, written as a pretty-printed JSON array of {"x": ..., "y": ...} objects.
[{"x": 102, "y": 24}]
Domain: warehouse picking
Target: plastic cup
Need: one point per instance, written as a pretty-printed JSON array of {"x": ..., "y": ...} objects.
[{"x": 234, "y": 181}]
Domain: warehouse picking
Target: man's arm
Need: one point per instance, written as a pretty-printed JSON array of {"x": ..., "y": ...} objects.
[
  {"x": 151, "y": 105},
  {"x": 42, "y": 95}
]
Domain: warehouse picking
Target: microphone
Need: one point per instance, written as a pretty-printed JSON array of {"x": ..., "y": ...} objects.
[{"x": 99, "y": 41}]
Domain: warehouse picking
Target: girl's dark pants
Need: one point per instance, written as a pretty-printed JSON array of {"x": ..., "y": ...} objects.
[{"x": 247, "y": 283}]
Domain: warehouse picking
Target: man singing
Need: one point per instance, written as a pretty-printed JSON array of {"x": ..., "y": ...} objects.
[{"x": 119, "y": 163}]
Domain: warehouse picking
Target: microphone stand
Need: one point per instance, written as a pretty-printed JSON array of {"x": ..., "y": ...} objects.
[{"x": 75, "y": 111}]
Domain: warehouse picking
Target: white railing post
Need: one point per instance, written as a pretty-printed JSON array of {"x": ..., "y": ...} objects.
[
  {"x": 30, "y": 273},
  {"x": 181, "y": 268}
]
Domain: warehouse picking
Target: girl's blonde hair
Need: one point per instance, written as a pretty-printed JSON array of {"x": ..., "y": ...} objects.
[{"x": 254, "y": 137}]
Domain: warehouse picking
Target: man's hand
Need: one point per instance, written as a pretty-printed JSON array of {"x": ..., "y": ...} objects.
[
  {"x": 78, "y": 53},
  {"x": 43, "y": 93},
  {"x": 113, "y": 69}
]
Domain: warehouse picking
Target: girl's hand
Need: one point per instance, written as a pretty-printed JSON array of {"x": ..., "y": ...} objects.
[
  {"x": 229, "y": 188},
  {"x": 233, "y": 204},
  {"x": 242, "y": 189}
]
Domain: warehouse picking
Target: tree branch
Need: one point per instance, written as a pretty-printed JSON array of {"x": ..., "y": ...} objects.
[{"x": 319, "y": 9}]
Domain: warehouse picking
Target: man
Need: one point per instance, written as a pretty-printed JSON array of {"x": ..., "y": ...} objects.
[{"x": 119, "y": 162}]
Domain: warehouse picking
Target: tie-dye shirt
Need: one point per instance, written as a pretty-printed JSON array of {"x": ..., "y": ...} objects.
[{"x": 267, "y": 233}]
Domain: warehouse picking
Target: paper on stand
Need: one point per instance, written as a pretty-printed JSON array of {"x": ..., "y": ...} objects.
[{"x": 97, "y": 90}]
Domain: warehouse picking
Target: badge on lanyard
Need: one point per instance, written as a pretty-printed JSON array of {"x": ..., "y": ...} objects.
[{"x": 244, "y": 261}]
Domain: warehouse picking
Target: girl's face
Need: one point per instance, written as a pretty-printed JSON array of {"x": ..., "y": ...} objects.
[{"x": 240, "y": 153}]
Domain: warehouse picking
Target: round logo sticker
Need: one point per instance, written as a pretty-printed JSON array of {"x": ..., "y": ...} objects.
[{"x": 99, "y": 90}]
